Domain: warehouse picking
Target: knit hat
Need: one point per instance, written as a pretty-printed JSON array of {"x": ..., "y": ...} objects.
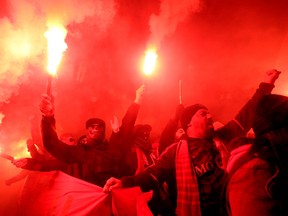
[
  {"x": 141, "y": 127},
  {"x": 92, "y": 121},
  {"x": 188, "y": 113},
  {"x": 271, "y": 113}
]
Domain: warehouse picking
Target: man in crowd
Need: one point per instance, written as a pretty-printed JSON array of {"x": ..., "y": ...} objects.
[
  {"x": 98, "y": 158},
  {"x": 193, "y": 166}
]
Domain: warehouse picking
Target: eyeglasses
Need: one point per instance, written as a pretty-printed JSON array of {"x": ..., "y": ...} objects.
[{"x": 96, "y": 126}]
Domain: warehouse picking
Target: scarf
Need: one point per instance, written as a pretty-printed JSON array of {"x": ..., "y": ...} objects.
[
  {"x": 188, "y": 200},
  {"x": 143, "y": 144}
]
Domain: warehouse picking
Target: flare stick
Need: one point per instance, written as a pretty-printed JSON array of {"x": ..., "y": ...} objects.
[
  {"x": 49, "y": 85},
  {"x": 6, "y": 156},
  {"x": 180, "y": 91}
]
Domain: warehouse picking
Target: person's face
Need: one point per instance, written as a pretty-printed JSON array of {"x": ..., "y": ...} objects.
[
  {"x": 96, "y": 132},
  {"x": 179, "y": 133},
  {"x": 145, "y": 134},
  {"x": 201, "y": 125}
]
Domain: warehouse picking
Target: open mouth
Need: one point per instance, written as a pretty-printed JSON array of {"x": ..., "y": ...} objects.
[{"x": 210, "y": 124}]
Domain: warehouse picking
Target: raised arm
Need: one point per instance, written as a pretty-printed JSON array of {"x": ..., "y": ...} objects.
[
  {"x": 242, "y": 123},
  {"x": 120, "y": 137},
  {"x": 130, "y": 117},
  {"x": 51, "y": 142},
  {"x": 39, "y": 165}
]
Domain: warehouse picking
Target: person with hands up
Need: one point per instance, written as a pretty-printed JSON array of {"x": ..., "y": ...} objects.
[{"x": 96, "y": 158}]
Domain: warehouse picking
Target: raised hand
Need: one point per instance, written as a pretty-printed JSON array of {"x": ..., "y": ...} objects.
[
  {"x": 139, "y": 94},
  {"x": 272, "y": 76},
  {"x": 47, "y": 105},
  {"x": 115, "y": 124},
  {"x": 20, "y": 163}
]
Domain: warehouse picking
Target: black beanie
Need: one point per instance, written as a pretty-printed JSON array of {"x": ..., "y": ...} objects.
[
  {"x": 187, "y": 114},
  {"x": 271, "y": 114},
  {"x": 141, "y": 127},
  {"x": 90, "y": 122}
]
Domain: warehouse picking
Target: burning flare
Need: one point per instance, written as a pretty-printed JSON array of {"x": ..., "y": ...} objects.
[
  {"x": 56, "y": 45},
  {"x": 150, "y": 61}
]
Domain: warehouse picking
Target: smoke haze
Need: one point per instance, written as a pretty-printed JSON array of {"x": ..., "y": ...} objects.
[{"x": 219, "y": 49}]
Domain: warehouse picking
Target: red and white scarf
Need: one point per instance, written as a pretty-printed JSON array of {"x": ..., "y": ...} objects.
[{"x": 188, "y": 200}]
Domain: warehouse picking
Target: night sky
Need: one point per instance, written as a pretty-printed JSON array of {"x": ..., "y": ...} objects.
[{"x": 219, "y": 49}]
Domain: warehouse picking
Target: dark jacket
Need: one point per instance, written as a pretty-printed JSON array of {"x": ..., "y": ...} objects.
[
  {"x": 98, "y": 161},
  {"x": 123, "y": 140}
]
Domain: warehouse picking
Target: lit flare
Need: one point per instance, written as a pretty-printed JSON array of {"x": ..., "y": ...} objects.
[
  {"x": 56, "y": 45},
  {"x": 150, "y": 61}
]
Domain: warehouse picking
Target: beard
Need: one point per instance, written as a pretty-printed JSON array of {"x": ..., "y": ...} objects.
[
  {"x": 210, "y": 132},
  {"x": 97, "y": 136}
]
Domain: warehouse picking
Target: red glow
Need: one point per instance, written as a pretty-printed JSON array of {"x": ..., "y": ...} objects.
[{"x": 220, "y": 53}]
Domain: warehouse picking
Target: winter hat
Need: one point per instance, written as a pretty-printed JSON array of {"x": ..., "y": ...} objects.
[
  {"x": 92, "y": 121},
  {"x": 138, "y": 129},
  {"x": 188, "y": 113},
  {"x": 271, "y": 113}
]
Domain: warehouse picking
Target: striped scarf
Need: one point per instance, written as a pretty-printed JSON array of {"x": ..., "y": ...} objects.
[{"x": 188, "y": 200}]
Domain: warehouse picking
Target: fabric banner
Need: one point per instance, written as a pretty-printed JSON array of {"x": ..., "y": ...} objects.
[
  {"x": 58, "y": 194},
  {"x": 130, "y": 201}
]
